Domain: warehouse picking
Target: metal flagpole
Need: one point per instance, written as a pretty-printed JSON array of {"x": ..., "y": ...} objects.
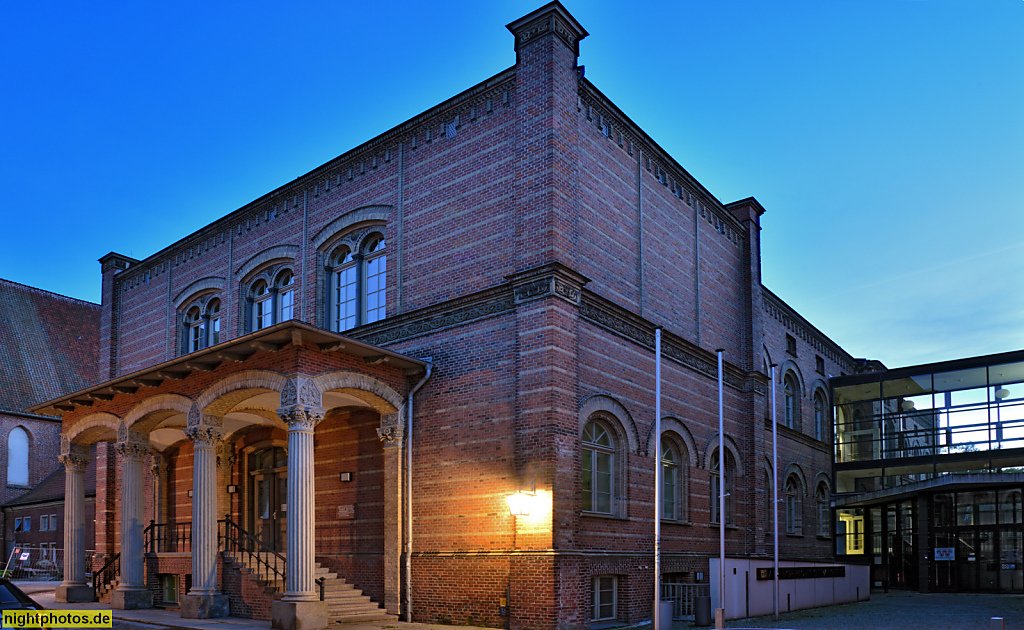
[
  {"x": 721, "y": 491},
  {"x": 775, "y": 493},
  {"x": 657, "y": 478}
]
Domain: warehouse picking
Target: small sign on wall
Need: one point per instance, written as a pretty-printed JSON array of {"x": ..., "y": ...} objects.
[
  {"x": 945, "y": 553},
  {"x": 346, "y": 512}
]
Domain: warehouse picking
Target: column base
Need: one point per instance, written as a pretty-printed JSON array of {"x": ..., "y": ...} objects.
[
  {"x": 74, "y": 593},
  {"x": 205, "y": 606},
  {"x": 298, "y": 615},
  {"x": 131, "y": 598}
]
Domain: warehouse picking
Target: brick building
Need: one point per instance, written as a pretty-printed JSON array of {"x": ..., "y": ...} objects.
[
  {"x": 358, "y": 369},
  {"x": 48, "y": 347}
]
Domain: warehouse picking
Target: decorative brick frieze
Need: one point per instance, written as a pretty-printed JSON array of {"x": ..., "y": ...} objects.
[{"x": 785, "y": 315}]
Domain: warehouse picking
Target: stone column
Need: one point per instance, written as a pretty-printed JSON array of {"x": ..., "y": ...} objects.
[
  {"x": 75, "y": 458},
  {"x": 300, "y": 608},
  {"x": 204, "y": 600},
  {"x": 392, "y": 434},
  {"x": 131, "y": 592}
]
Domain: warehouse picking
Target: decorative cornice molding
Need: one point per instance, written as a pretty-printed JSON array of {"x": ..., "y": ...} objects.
[
  {"x": 794, "y": 322},
  {"x": 432, "y": 319}
]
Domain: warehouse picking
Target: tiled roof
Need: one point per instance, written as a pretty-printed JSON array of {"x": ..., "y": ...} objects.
[
  {"x": 51, "y": 488},
  {"x": 49, "y": 345}
]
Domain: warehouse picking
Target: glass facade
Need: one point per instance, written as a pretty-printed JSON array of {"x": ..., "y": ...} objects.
[{"x": 928, "y": 466}]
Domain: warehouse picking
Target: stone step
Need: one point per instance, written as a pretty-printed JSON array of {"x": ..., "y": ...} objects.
[{"x": 363, "y": 618}]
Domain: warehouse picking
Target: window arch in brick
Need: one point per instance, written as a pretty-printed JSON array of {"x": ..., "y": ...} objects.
[
  {"x": 794, "y": 505},
  {"x": 18, "y": 457},
  {"x": 821, "y": 427},
  {"x": 791, "y": 401},
  {"x": 675, "y": 471},
  {"x": 200, "y": 323},
  {"x": 824, "y": 512},
  {"x": 269, "y": 295},
  {"x": 716, "y": 487},
  {"x": 355, "y": 282}
]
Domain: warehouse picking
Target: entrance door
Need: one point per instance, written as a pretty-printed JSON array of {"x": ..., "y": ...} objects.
[{"x": 268, "y": 470}]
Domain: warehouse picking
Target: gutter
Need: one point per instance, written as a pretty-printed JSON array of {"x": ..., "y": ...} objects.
[{"x": 408, "y": 495}]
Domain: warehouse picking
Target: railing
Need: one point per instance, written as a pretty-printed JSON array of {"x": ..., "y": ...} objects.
[
  {"x": 107, "y": 575},
  {"x": 261, "y": 558},
  {"x": 683, "y": 597},
  {"x": 168, "y": 537}
]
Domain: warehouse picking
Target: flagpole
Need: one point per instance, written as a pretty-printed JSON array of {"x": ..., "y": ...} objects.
[
  {"x": 721, "y": 490},
  {"x": 657, "y": 478},
  {"x": 775, "y": 493}
]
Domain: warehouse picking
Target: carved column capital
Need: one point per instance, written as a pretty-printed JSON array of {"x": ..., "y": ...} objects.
[
  {"x": 205, "y": 436},
  {"x": 300, "y": 417},
  {"x": 132, "y": 451},
  {"x": 75, "y": 463},
  {"x": 391, "y": 430}
]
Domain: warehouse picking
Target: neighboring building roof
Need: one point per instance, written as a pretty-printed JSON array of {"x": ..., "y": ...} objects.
[
  {"x": 49, "y": 345},
  {"x": 51, "y": 489}
]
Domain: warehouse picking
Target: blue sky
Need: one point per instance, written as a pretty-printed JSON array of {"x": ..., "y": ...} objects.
[{"x": 885, "y": 138}]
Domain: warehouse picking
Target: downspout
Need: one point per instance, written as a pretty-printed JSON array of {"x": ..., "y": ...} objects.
[{"x": 408, "y": 496}]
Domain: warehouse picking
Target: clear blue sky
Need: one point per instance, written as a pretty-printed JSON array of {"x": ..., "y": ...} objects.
[{"x": 885, "y": 138}]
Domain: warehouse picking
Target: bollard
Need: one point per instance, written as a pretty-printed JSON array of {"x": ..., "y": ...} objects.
[
  {"x": 997, "y": 623},
  {"x": 719, "y": 618}
]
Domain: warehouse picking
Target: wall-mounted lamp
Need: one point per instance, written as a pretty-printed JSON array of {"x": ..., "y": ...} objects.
[
  {"x": 232, "y": 489},
  {"x": 1002, "y": 393},
  {"x": 345, "y": 476},
  {"x": 190, "y": 494},
  {"x": 908, "y": 405},
  {"x": 520, "y": 503}
]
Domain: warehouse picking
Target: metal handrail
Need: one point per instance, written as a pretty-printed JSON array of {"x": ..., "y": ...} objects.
[
  {"x": 168, "y": 537},
  {"x": 233, "y": 538},
  {"x": 107, "y": 574}
]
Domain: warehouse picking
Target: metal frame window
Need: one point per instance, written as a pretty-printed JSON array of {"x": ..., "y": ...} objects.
[
  {"x": 18, "y": 456},
  {"x": 670, "y": 481},
  {"x": 791, "y": 406},
  {"x": 730, "y": 475},
  {"x": 794, "y": 506},
  {"x": 357, "y": 283}
]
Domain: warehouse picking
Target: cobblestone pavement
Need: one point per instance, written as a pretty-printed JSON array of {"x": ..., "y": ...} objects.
[{"x": 899, "y": 611}]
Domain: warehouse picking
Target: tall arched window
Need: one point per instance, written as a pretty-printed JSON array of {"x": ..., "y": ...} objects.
[
  {"x": 262, "y": 306},
  {"x": 794, "y": 506},
  {"x": 716, "y": 487},
  {"x": 820, "y": 428},
  {"x": 792, "y": 404},
  {"x": 285, "y": 285},
  {"x": 376, "y": 279},
  {"x": 358, "y": 283},
  {"x": 669, "y": 481},
  {"x": 824, "y": 512},
  {"x": 17, "y": 457},
  {"x": 598, "y": 468},
  {"x": 201, "y": 324}
]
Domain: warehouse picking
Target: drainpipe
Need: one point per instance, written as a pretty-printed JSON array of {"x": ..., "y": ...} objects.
[{"x": 408, "y": 495}]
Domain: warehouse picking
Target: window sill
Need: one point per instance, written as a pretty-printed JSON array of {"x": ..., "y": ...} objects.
[
  {"x": 727, "y": 526},
  {"x": 612, "y": 517},
  {"x": 793, "y": 535},
  {"x": 18, "y": 486},
  {"x": 672, "y": 521}
]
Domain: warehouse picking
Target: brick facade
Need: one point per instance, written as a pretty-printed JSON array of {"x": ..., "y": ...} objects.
[{"x": 536, "y": 237}]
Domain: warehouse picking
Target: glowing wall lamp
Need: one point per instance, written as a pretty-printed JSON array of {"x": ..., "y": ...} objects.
[
  {"x": 520, "y": 503},
  {"x": 1002, "y": 393}
]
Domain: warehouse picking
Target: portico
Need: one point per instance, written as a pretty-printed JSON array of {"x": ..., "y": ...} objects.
[{"x": 186, "y": 437}]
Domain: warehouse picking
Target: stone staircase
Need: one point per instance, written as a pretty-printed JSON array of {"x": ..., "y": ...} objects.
[{"x": 345, "y": 603}]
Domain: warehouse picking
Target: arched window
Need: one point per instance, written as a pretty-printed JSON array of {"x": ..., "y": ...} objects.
[
  {"x": 669, "y": 481},
  {"x": 794, "y": 506},
  {"x": 716, "y": 487},
  {"x": 824, "y": 513},
  {"x": 376, "y": 279},
  {"x": 285, "y": 285},
  {"x": 598, "y": 468},
  {"x": 358, "y": 284},
  {"x": 201, "y": 324},
  {"x": 17, "y": 457},
  {"x": 820, "y": 407},
  {"x": 195, "y": 330},
  {"x": 262, "y": 306},
  {"x": 792, "y": 403}
]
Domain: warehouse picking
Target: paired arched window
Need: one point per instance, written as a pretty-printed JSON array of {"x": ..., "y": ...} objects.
[
  {"x": 716, "y": 487},
  {"x": 820, "y": 416},
  {"x": 598, "y": 468},
  {"x": 824, "y": 512},
  {"x": 17, "y": 457},
  {"x": 201, "y": 325},
  {"x": 794, "y": 505},
  {"x": 358, "y": 284},
  {"x": 272, "y": 302},
  {"x": 674, "y": 477},
  {"x": 791, "y": 391}
]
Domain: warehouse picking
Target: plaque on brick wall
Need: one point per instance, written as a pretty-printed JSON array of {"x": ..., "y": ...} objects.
[{"x": 346, "y": 512}]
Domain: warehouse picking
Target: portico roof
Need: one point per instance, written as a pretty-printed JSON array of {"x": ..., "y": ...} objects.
[{"x": 238, "y": 349}]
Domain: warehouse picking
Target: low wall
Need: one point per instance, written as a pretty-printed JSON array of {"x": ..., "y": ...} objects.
[{"x": 747, "y": 596}]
